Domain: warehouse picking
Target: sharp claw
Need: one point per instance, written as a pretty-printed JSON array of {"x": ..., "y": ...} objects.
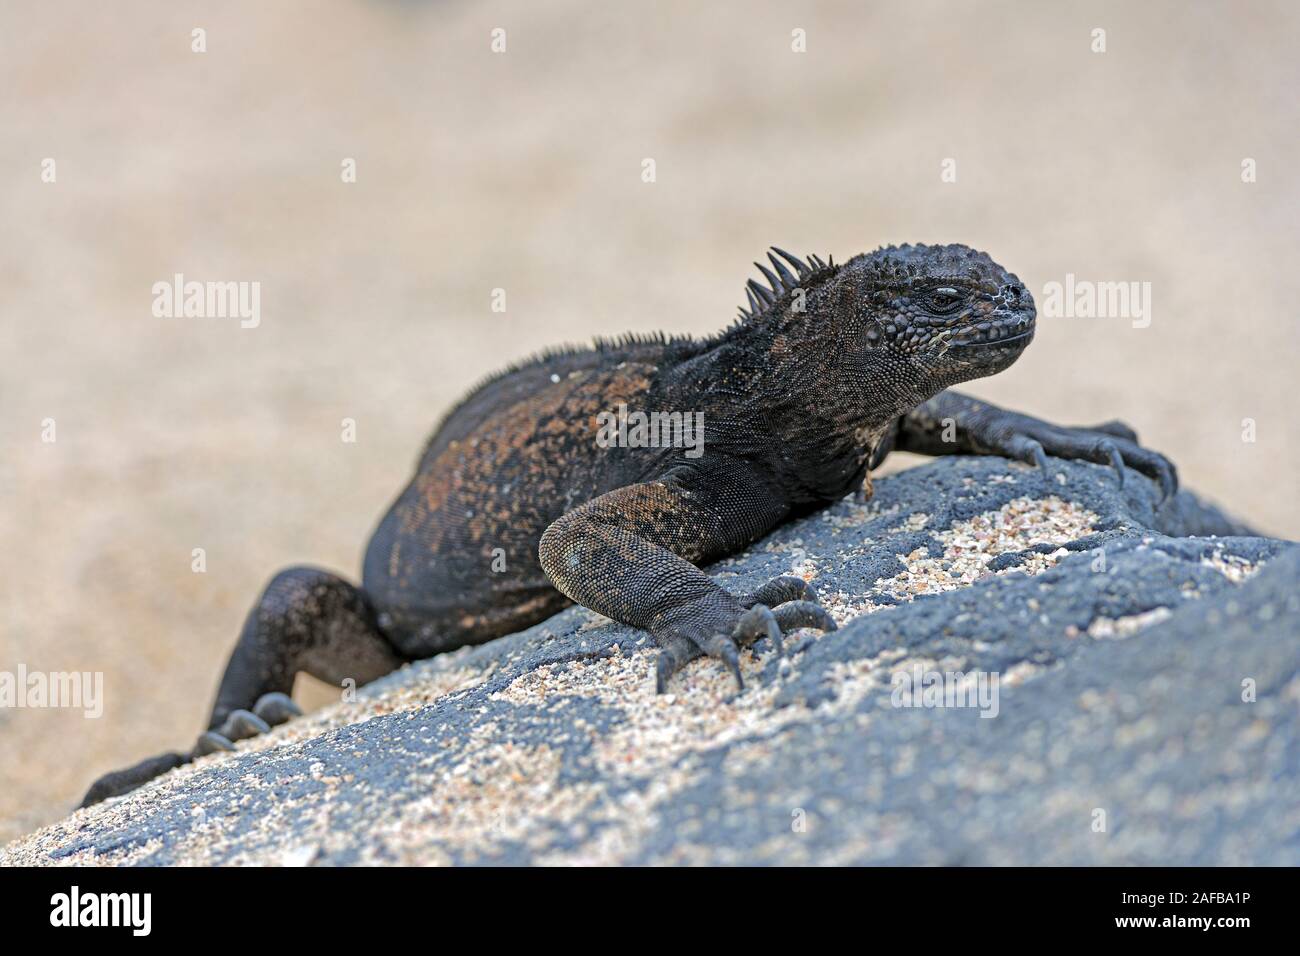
[
  {"x": 725, "y": 648},
  {"x": 1159, "y": 469},
  {"x": 211, "y": 742},
  {"x": 276, "y": 708},
  {"x": 1034, "y": 450},
  {"x": 772, "y": 631},
  {"x": 1168, "y": 484},
  {"x": 1116, "y": 459},
  {"x": 675, "y": 652}
]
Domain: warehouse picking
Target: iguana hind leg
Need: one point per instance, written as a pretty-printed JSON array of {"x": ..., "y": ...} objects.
[{"x": 306, "y": 620}]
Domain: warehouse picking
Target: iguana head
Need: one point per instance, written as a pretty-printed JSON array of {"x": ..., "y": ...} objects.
[
  {"x": 953, "y": 311},
  {"x": 910, "y": 320}
]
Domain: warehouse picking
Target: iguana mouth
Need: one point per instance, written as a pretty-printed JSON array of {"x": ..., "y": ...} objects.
[{"x": 991, "y": 337}]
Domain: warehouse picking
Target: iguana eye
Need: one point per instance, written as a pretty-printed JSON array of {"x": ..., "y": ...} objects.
[{"x": 943, "y": 300}]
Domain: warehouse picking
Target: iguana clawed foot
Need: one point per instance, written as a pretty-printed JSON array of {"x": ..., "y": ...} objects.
[
  {"x": 782, "y": 605},
  {"x": 269, "y": 711},
  {"x": 1112, "y": 443}
]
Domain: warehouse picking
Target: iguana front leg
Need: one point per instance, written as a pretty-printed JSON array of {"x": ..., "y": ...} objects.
[
  {"x": 952, "y": 423},
  {"x": 631, "y": 555}
]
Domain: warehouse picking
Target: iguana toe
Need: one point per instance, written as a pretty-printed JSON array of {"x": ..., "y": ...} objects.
[
  {"x": 118, "y": 782},
  {"x": 796, "y": 614},
  {"x": 1118, "y": 429},
  {"x": 210, "y": 742},
  {"x": 276, "y": 708},
  {"x": 242, "y": 724},
  {"x": 677, "y": 651},
  {"x": 724, "y": 648},
  {"x": 756, "y": 623},
  {"x": 779, "y": 590},
  {"x": 1107, "y": 448}
]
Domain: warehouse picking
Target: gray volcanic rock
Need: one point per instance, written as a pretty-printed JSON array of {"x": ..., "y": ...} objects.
[{"x": 1147, "y": 710}]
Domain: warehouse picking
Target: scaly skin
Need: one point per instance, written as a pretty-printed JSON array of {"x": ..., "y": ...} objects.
[{"x": 515, "y": 509}]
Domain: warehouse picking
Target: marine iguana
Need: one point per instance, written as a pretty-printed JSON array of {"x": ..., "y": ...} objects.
[{"x": 516, "y": 510}]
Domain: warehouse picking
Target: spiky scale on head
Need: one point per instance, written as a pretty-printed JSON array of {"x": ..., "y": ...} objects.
[{"x": 781, "y": 282}]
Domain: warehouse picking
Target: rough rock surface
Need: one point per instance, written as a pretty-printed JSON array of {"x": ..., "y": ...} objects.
[{"x": 1147, "y": 712}]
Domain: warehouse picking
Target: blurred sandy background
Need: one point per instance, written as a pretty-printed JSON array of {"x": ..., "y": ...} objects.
[{"x": 522, "y": 171}]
